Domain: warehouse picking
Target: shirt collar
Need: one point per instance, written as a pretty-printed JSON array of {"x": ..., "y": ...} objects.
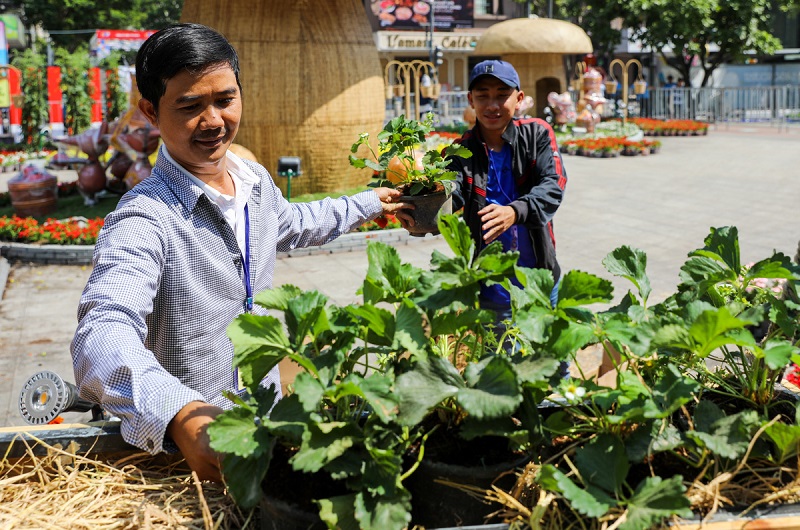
[{"x": 243, "y": 177}]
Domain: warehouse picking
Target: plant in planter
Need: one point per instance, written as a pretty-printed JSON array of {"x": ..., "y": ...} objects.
[
  {"x": 675, "y": 434},
  {"x": 426, "y": 182},
  {"x": 342, "y": 421}
]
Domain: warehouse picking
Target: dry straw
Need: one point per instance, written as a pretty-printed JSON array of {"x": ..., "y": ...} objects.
[
  {"x": 311, "y": 81},
  {"x": 66, "y": 490}
]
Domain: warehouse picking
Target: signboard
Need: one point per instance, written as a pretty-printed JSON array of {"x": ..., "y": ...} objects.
[
  {"x": 15, "y": 31},
  {"x": 5, "y": 93},
  {"x": 446, "y": 15},
  {"x": 393, "y": 41},
  {"x": 106, "y": 40}
]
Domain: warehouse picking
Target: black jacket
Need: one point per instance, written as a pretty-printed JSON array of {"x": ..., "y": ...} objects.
[{"x": 538, "y": 172}]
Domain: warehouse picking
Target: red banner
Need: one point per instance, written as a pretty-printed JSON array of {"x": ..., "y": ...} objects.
[
  {"x": 14, "y": 112},
  {"x": 54, "y": 96},
  {"x": 96, "y": 93}
]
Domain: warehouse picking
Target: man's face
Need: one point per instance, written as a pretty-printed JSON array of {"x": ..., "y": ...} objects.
[
  {"x": 198, "y": 117},
  {"x": 494, "y": 102}
]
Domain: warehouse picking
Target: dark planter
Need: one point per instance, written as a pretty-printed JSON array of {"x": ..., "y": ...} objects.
[
  {"x": 437, "y": 505},
  {"x": 427, "y": 210}
]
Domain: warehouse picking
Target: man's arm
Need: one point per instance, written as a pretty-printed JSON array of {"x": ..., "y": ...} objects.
[{"x": 112, "y": 365}]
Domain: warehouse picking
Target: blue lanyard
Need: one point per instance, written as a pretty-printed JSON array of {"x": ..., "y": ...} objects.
[{"x": 248, "y": 288}]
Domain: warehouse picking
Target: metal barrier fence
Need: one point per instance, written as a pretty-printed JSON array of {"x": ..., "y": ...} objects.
[{"x": 774, "y": 105}]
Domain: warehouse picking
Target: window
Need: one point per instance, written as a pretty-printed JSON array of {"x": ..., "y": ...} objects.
[{"x": 488, "y": 7}]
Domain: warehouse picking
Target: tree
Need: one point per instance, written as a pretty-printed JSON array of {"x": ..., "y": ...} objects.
[
  {"x": 75, "y": 15},
  {"x": 714, "y": 31},
  {"x": 75, "y": 86},
  {"x": 34, "y": 88}
]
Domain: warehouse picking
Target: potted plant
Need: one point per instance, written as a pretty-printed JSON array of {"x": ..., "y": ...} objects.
[
  {"x": 425, "y": 181},
  {"x": 676, "y": 433}
]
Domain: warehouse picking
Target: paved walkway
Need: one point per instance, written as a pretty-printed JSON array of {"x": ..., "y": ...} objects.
[{"x": 663, "y": 204}]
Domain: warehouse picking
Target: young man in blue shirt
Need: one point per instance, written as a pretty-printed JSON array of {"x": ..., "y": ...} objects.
[{"x": 514, "y": 182}]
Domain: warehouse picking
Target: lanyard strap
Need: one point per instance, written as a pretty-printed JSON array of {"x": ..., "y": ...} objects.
[{"x": 248, "y": 287}]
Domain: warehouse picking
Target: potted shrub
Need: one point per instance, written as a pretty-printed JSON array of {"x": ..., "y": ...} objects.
[{"x": 425, "y": 182}]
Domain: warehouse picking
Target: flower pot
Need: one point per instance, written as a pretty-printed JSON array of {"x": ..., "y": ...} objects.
[
  {"x": 37, "y": 198},
  {"x": 438, "y": 505},
  {"x": 427, "y": 210}
]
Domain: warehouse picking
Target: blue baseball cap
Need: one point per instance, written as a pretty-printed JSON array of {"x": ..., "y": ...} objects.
[{"x": 499, "y": 69}]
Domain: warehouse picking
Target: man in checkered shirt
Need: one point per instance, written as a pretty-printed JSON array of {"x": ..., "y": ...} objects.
[{"x": 170, "y": 263}]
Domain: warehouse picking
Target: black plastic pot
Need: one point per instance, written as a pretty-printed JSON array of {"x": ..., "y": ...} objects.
[
  {"x": 437, "y": 505},
  {"x": 427, "y": 210}
]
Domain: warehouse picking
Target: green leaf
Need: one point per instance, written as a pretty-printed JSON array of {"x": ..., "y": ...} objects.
[
  {"x": 654, "y": 500},
  {"x": 537, "y": 284},
  {"x": 410, "y": 329},
  {"x": 535, "y": 323},
  {"x": 630, "y": 263},
  {"x": 380, "y": 323},
  {"x": 305, "y": 316},
  {"x": 672, "y": 391},
  {"x": 495, "y": 391},
  {"x": 726, "y": 436},
  {"x": 712, "y": 330},
  {"x": 776, "y": 266},
  {"x": 778, "y": 354},
  {"x": 339, "y": 512},
  {"x": 456, "y": 232},
  {"x": 235, "y": 431},
  {"x": 309, "y": 391},
  {"x": 322, "y": 443},
  {"x": 383, "y": 512},
  {"x": 278, "y": 299},
  {"x": 259, "y": 343},
  {"x": 594, "y": 504},
  {"x": 603, "y": 463},
  {"x": 723, "y": 244},
  {"x": 651, "y": 438},
  {"x": 531, "y": 370},
  {"x": 786, "y": 439},
  {"x": 581, "y": 288},
  {"x": 377, "y": 389},
  {"x": 430, "y": 382},
  {"x": 455, "y": 322},
  {"x": 243, "y": 476}
]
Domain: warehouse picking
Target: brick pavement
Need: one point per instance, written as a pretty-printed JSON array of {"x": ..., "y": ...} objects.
[{"x": 663, "y": 204}]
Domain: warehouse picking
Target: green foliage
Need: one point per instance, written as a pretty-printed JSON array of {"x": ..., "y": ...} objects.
[
  {"x": 75, "y": 87},
  {"x": 379, "y": 377},
  {"x": 116, "y": 97},
  {"x": 34, "y": 89},
  {"x": 398, "y": 139},
  {"x": 77, "y": 15}
]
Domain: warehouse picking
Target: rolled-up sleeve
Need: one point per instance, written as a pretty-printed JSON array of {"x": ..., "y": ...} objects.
[{"x": 112, "y": 365}]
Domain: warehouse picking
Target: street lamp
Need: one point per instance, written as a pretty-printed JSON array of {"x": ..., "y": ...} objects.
[
  {"x": 289, "y": 166},
  {"x": 639, "y": 86}
]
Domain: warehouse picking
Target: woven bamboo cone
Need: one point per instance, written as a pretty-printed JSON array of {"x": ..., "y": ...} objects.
[{"x": 311, "y": 79}]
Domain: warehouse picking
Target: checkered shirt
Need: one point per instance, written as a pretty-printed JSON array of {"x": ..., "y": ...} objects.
[{"x": 168, "y": 279}]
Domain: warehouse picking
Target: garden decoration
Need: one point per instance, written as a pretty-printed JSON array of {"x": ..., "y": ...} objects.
[
  {"x": 91, "y": 175},
  {"x": 411, "y": 377},
  {"x": 425, "y": 182},
  {"x": 563, "y": 108}
]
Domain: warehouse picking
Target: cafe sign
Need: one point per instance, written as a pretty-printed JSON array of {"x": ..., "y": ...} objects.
[{"x": 397, "y": 41}]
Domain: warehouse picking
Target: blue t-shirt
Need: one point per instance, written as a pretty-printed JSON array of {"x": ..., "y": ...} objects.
[{"x": 501, "y": 189}]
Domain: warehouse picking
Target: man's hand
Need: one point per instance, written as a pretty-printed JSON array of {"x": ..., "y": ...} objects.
[
  {"x": 188, "y": 429},
  {"x": 496, "y": 219},
  {"x": 389, "y": 200}
]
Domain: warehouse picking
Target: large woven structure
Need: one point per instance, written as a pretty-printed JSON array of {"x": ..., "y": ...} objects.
[
  {"x": 311, "y": 79},
  {"x": 536, "y": 47}
]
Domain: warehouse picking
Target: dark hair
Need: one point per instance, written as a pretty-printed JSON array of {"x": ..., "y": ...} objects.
[{"x": 179, "y": 47}]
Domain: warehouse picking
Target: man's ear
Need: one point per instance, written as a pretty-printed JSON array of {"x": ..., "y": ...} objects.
[
  {"x": 149, "y": 111},
  {"x": 520, "y": 97}
]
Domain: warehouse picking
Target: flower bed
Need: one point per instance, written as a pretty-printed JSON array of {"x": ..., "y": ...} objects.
[
  {"x": 609, "y": 147},
  {"x": 12, "y": 160},
  {"x": 652, "y": 127},
  {"x": 76, "y": 231}
]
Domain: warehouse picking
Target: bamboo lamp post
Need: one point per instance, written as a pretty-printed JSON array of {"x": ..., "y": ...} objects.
[
  {"x": 311, "y": 81},
  {"x": 639, "y": 86},
  {"x": 409, "y": 73}
]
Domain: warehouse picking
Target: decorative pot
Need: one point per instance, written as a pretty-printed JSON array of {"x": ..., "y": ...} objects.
[
  {"x": 427, "y": 210},
  {"x": 91, "y": 178},
  {"x": 137, "y": 172}
]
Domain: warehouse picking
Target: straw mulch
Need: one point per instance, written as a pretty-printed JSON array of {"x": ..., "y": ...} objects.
[{"x": 65, "y": 490}]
